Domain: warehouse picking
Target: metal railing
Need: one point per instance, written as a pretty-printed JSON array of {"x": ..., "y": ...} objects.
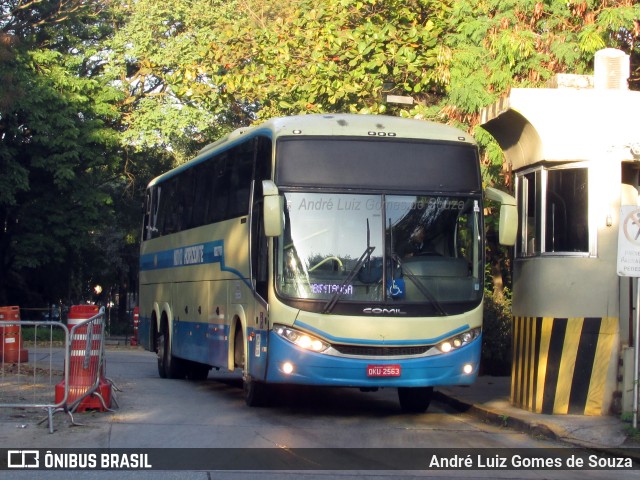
[{"x": 64, "y": 371}]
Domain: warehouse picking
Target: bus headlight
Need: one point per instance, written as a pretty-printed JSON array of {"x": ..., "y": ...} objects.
[
  {"x": 460, "y": 340},
  {"x": 301, "y": 339}
]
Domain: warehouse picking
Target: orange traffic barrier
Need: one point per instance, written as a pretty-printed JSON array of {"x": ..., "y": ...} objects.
[
  {"x": 85, "y": 363},
  {"x": 136, "y": 322},
  {"x": 11, "y": 347}
]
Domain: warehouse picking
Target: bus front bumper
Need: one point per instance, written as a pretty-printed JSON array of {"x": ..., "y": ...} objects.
[{"x": 291, "y": 364}]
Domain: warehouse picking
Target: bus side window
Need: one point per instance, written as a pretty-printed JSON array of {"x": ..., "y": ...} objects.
[
  {"x": 186, "y": 200},
  {"x": 220, "y": 190},
  {"x": 156, "y": 195},
  {"x": 241, "y": 172},
  {"x": 146, "y": 223},
  {"x": 150, "y": 222},
  {"x": 170, "y": 210},
  {"x": 208, "y": 183},
  {"x": 203, "y": 185}
]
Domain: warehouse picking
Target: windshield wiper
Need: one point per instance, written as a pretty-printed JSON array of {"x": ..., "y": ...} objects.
[
  {"x": 352, "y": 273},
  {"x": 419, "y": 285}
]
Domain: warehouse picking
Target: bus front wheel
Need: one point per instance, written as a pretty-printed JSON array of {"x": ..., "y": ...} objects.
[
  {"x": 415, "y": 399},
  {"x": 256, "y": 394}
]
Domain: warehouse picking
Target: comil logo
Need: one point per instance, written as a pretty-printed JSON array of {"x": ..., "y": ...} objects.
[
  {"x": 383, "y": 311},
  {"x": 23, "y": 459}
]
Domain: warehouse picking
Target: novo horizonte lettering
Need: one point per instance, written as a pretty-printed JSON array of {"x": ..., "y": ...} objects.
[{"x": 188, "y": 255}]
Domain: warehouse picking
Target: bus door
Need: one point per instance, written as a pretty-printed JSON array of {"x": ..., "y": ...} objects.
[{"x": 259, "y": 331}]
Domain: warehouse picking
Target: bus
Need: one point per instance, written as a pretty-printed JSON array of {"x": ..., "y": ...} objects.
[{"x": 329, "y": 250}]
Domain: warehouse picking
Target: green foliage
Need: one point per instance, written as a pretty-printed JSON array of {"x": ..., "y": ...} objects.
[
  {"x": 202, "y": 65},
  {"x": 156, "y": 56},
  {"x": 345, "y": 57},
  {"x": 59, "y": 145},
  {"x": 496, "y": 335},
  {"x": 100, "y": 96},
  {"x": 42, "y": 335},
  {"x": 59, "y": 139},
  {"x": 496, "y": 44},
  {"x": 244, "y": 59}
]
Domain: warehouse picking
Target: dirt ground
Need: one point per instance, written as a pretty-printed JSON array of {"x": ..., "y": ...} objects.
[{"x": 24, "y": 384}]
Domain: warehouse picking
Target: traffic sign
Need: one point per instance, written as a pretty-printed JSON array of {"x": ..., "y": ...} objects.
[{"x": 628, "y": 264}]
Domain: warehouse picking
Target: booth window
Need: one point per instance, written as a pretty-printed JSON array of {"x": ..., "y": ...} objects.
[{"x": 553, "y": 211}]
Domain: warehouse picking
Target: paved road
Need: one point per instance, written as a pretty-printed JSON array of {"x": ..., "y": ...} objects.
[{"x": 155, "y": 412}]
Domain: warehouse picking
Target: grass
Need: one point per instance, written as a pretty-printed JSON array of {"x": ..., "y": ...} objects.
[
  {"x": 43, "y": 333},
  {"x": 633, "y": 434}
]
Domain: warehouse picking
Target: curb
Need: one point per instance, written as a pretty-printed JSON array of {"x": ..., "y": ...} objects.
[
  {"x": 497, "y": 418},
  {"x": 530, "y": 428},
  {"x": 122, "y": 341}
]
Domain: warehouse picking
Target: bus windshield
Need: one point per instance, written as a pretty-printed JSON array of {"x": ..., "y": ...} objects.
[{"x": 376, "y": 249}]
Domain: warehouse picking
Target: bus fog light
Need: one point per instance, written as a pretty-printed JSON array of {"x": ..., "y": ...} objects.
[
  {"x": 287, "y": 368},
  {"x": 467, "y": 369}
]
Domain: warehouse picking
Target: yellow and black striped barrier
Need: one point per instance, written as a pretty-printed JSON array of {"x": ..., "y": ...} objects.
[{"x": 560, "y": 365}]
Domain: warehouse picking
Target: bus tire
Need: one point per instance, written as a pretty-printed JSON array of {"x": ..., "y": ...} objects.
[
  {"x": 415, "y": 399},
  {"x": 160, "y": 349},
  {"x": 239, "y": 355},
  {"x": 168, "y": 365},
  {"x": 256, "y": 393}
]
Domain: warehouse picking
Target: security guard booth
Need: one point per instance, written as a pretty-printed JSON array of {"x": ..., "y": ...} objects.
[{"x": 574, "y": 149}]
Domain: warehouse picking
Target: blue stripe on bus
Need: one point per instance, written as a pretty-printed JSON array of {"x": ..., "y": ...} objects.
[
  {"x": 189, "y": 255},
  {"x": 421, "y": 341}
]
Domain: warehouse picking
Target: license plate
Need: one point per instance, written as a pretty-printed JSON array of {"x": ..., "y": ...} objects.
[{"x": 383, "y": 370}]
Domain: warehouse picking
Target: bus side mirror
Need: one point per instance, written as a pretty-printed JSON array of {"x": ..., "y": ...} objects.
[
  {"x": 273, "y": 209},
  {"x": 508, "y": 226}
]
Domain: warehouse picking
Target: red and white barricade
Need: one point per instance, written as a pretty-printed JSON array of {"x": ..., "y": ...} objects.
[
  {"x": 88, "y": 387},
  {"x": 11, "y": 347}
]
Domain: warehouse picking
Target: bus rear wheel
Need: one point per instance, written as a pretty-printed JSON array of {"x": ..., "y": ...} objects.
[
  {"x": 415, "y": 399},
  {"x": 168, "y": 365}
]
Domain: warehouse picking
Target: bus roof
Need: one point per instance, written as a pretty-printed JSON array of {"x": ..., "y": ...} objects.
[
  {"x": 363, "y": 125},
  {"x": 342, "y": 124}
]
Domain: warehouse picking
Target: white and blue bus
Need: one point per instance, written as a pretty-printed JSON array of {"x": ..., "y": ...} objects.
[{"x": 336, "y": 250}]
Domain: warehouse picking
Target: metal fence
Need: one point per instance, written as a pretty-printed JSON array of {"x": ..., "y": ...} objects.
[{"x": 55, "y": 367}]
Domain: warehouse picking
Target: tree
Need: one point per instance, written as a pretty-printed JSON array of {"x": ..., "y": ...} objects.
[
  {"x": 99, "y": 96},
  {"x": 260, "y": 59},
  {"x": 496, "y": 45},
  {"x": 333, "y": 56},
  {"x": 207, "y": 67},
  {"x": 155, "y": 56},
  {"x": 57, "y": 145}
]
